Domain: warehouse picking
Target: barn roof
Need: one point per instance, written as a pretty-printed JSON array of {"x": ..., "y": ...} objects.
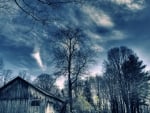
[{"x": 36, "y": 88}]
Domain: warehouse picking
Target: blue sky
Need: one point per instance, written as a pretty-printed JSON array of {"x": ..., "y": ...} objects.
[{"x": 24, "y": 42}]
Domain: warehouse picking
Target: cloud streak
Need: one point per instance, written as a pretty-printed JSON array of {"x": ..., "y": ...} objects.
[
  {"x": 98, "y": 16},
  {"x": 36, "y": 55},
  {"x": 132, "y": 5},
  {"x": 105, "y": 26}
]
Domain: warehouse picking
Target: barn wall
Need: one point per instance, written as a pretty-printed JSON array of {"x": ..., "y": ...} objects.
[
  {"x": 14, "y": 106},
  {"x": 36, "y": 108},
  {"x": 17, "y": 90},
  {"x": 18, "y": 96},
  {"x": 34, "y": 94},
  {"x": 21, "y": 106}
]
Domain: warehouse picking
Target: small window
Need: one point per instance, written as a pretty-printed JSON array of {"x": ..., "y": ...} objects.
[{"x": 35, "y": 103}]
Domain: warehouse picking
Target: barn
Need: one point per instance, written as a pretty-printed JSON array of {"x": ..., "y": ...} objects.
[{"x": 20, "y": 96}]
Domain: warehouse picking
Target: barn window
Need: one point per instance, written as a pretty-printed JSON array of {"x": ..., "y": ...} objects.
[{"x": 35, "y": 103}]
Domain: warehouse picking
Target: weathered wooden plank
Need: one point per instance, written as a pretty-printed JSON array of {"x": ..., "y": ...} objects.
[{"x": 20, "y": 97}]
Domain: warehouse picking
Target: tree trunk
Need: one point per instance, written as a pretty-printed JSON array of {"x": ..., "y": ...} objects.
[
  {"x": 70, "y": 95},
  {"x": 69, "y": 78}
]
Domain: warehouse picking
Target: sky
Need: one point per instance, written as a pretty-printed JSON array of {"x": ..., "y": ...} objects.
[{"x": 25, "y": 44}]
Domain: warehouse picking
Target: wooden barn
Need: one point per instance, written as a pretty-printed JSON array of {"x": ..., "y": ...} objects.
[{"x": 19, "y": 96}]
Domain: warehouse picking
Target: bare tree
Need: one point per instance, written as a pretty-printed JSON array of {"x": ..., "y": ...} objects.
[
  {"x": 46, "y": 82},
  {"x": 6, "y": 75},
  {"x": 23, "y": 74},
  {"x": 72, "y": 56},
  {"x": 41, "y": 10},
  {"x": 126, "y": 80},
  {"x": 114, "y": 77},
  {"x": 45, "y": 10}
]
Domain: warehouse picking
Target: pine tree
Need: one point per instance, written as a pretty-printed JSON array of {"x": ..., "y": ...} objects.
[{"x": 136, "y": 82}]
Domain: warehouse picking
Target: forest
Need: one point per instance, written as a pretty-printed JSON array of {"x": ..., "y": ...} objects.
[{"x": 124, "y": 83}]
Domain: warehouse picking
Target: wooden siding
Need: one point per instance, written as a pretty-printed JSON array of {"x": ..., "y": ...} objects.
[
  {"x": 20, "y": 106},
  {"x": 21, "y": 97},
  {"x": 16, "y": 90}
]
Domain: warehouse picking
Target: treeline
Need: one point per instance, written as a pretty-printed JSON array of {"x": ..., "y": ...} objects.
[
  {"x": 123, "y": 87},
  {"x": 7, "y": 74}
]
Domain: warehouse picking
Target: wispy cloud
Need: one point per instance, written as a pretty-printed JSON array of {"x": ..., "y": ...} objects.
[
  {"x": 94, "y": 35},
  {"x": 103, "y": 25},
  {"x": 97, "y": 48},
  {"x": 36, "y": 55},
  {"x": 8, "y": 8},
  {"x": 98, "y": 16},
  {"x": 131, "y": 4},
  {"x": 117, "y": 35}
]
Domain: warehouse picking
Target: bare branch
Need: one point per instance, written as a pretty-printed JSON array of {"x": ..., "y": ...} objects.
[
  {"x": 50, "y": 3},
  {"x": 26, "y": 8}
]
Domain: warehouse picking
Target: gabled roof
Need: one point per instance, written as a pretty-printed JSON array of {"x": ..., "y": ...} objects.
[{"x": 31, "y": 85}]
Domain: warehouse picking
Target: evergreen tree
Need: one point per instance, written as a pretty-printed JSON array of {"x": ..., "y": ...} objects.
[
  {"x": 127, "y": 82},
  {"x": 136, "y": 83}
]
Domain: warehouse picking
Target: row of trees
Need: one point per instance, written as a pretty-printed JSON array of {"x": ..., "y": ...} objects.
[
  {"x": 7, "y": 74},
  {"x": 127, "y": 82},
  {"x": 123, "y": 87}
]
